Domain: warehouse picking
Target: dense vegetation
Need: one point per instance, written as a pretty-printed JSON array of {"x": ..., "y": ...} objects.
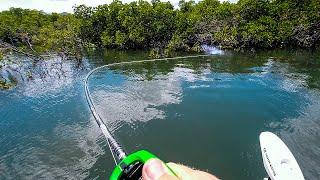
[
  {"x": 37, "y": 32},
  {"x": 162, "y": 28},
  {"x": 34, "y": 34}
]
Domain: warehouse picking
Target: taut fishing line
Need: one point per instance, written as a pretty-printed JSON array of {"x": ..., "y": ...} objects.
[
  {"x": 116, "y": 150},
  {"x": 279, "y": 166}
]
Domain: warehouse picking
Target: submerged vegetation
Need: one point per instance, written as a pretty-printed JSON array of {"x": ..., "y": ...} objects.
[{"x": 161, "y": 28}]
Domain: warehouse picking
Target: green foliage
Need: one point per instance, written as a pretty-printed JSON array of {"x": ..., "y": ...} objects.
[
  {"x": 260, "y": 33},
  {"x": 226, "y": 37},
  {"x": 1, "y": 55},
  {"x": 157, "y": 25},
  {"x": 61, "y": 35},
  {"x": 164, "y": 29},
  {"x": 106, "y": 39},
  {"x": 177, "y": 44},
  {"x": 155, "y": 53},
  {"x": 121, "y": 39},
  {"x": 251, "y": 10},
  {"x": 38, "y": 32}
]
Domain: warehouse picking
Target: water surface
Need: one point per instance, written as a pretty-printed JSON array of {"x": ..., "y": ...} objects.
[{"x": 203, "y": 112}]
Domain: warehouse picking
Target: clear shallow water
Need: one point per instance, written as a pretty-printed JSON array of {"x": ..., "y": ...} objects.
[{"x": 203, "y": 112}]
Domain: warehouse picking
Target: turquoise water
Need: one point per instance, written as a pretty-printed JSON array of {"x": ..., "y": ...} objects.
[{"x": 204, "y": 112}]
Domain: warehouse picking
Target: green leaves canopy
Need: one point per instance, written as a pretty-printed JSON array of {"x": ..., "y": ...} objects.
[{"x": 159, "y": 25}]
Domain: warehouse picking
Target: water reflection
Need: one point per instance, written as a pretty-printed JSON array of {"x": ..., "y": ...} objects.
[
  {"x": 137, "y": 99},
  {"x": 52, "y": 157},
  {"x": 209, "y": 109},
  {"x": 301, "y": 134},
  {"x": 45, "y": 132},
  {"x": 34, "y": 78},
  {"x": 227, "y": 94}
]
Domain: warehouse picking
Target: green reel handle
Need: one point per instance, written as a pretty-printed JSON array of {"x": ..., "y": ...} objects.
[{"x": 131, "y": 166}]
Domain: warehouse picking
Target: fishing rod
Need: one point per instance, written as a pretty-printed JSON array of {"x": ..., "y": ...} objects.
[
  {"x": 278, "y": 160},
  {"x": 127, "y": 166}
]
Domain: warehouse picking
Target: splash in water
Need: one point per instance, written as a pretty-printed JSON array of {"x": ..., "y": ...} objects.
[{"x": 212, "y": 49}]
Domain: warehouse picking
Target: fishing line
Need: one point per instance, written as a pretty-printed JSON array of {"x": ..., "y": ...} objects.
[
  {"x": 117, "y": 152},
  {"x": 130, "y": 166}
]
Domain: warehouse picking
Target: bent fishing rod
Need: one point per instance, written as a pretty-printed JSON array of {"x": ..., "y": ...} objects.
[{"x": 127, "y": 166}]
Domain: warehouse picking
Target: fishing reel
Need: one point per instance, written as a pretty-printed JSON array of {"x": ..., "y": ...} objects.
[{"x": 131, "y": 166}]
